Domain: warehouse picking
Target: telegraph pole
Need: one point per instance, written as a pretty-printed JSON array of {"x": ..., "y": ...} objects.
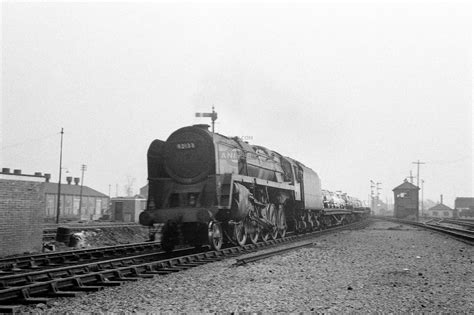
[
  {"x": 418, "y": 172},
  {"x": 60, "y": 169},
  {"x": 422, "y": 188},
  {"x": 372, "y": 186},
  {"x": 83, "y": 168},
  {"x": 378, "y": 193}
]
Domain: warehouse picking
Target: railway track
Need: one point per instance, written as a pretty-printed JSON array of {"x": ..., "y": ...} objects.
[
  {"x": 18, "y": 264},
  {"x": 71, "y": 278},
  {"x": 465, "y": 223},
  {"x": 464, "y": 235}
]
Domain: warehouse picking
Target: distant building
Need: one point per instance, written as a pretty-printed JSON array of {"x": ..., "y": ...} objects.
[
  {"x": 144, "y": 191},
  {"x": 127, "y": 209},
  {"x": 21, "y": 224},
  {"x": 440, "y": 211},
  {"x": 94, "y": 203},
  {"x": 464, "y": 207},
  {"x": 380, "y": 208},
  {"x": 406, "y": 201}
]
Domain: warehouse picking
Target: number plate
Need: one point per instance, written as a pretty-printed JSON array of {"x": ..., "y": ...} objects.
[{"x": 185, "y": 146}]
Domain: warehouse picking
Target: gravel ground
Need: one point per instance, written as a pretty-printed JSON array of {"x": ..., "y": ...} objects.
[{"x": 384, "y": 268}]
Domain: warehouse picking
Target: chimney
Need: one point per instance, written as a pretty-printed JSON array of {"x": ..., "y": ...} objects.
[
  {"x": 69, "y": 180},
  {"x": 17, "y": 172},
  {"x": 441, "y": 198},
  {"x": 47, "y": 177},
  {"x": 76, "y": 180},
  {"x": 6, "y": 170},
  {"x": 38, "y": 174}
]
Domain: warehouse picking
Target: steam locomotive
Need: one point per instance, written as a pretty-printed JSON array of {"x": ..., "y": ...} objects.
[{"x": 208, "y": 189}]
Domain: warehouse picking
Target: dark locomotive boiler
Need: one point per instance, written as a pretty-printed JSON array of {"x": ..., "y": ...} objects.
[{"x": 209, "y": 189}]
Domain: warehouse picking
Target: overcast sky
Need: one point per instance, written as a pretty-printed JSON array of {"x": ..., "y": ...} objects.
[{"x": 356, "y": 91}]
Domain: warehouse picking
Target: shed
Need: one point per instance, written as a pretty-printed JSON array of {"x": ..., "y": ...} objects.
[
  {"x": 440, "y": 211},
  {"x": 75, "y": 204},
  {"x": 127, "y": 209},
  {"x": 406, "y": 201}
]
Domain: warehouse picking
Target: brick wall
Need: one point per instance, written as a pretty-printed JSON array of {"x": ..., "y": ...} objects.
[{"x": 21, "y": 215}]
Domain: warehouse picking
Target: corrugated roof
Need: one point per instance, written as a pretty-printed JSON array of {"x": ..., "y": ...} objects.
[
  {"x": 406, "y": 185},
  {"x": 464, "y": 202},
  {"x": 440, "y": 207},
  {"x": 70, "y": 189}
]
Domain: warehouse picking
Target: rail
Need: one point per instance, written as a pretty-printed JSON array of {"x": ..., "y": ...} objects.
[{"x": 463, "y": 235}]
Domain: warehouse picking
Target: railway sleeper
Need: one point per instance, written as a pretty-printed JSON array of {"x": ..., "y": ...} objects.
[
  {"x": 49, "y": 263},
  {"x": 5, "y": 273},
  {"x": 159, "y": 272},
  {"x": 39, "y": 278},
  {"x": 168, "y": 270},
  {"x": 25, "y": 298},
  {"x": 13, "y": 309},
  {"x": 137, "y": 273},
  {"x": 55, "y": 292},
  {"x": 60, "y": 274},
  {"x": 192, "y": 264},
  {"x": 177, "y": 266},
  {"x": 32, "y": 265},
  {"x": 16, "y": 283},
  {"x": 118, "y": 276},
  {"x": 149, "y": 270},
  {"x": 103, "y": 281},
  {"x": 15, "y": 268},
  {"x": 78, "y": 285},
  {"x": 72, "y": 258},
  {"x": 209, "y": 259},
  {"x": 98, "y": 254}
]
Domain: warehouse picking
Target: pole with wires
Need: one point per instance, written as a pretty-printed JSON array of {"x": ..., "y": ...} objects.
[
  {"x": 60, "y": 169},
  {"x": 83, "y": 168}
]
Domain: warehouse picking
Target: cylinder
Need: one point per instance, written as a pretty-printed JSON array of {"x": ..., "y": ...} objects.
[
  {"x": 240, "y": 205},
  {"x": 63, "y": 234}
]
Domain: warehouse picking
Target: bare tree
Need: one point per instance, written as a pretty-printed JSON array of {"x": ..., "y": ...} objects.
[{"x": 129, "y": 186}]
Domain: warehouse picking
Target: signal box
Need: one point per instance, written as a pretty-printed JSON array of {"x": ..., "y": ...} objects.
[{"x": 406, "y": 201}]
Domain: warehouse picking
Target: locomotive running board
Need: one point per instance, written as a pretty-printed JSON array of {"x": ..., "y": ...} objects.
[{"x": 263, "y": 182}]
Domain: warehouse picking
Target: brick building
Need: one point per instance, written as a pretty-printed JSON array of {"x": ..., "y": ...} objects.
[
  {"x": 406, "y": 201},
  {"x": 21, "y": 218},
  {"x": 127, "y": 209},
  {"x": 440, "y": 211}
]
